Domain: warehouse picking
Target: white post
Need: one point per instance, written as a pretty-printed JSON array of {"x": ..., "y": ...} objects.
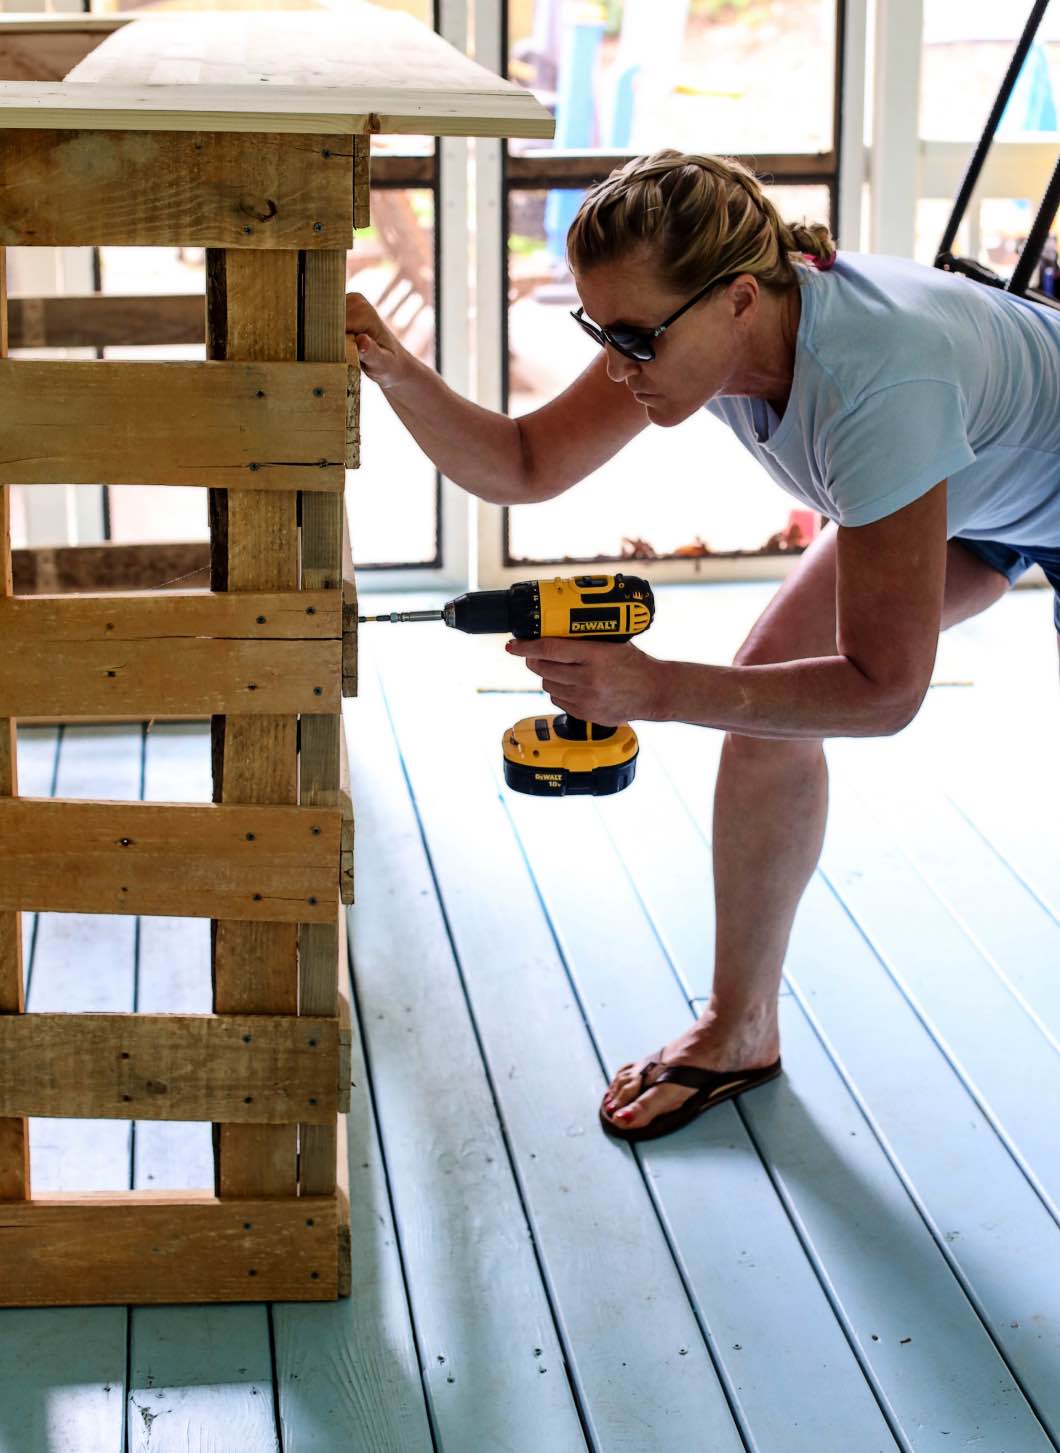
[
  {"x": 490, "y": 292},
  {"x": 852, "y": 156},
  {"x": 894, "y": 167}
]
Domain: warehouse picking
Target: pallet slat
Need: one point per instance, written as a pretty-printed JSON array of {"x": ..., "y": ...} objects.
[
  {"x": 247, "y": 426},
  {"x": 87, "y": 680},
  {"x": 177, "y": 653},
  {"x": 274, "y": 865},
  {"x": 253, "y": 315},
  {"x": 139, "y": 615},
  {"x": 249, "y": 1069},
  {"x": 14, "y": 1140},
  {"x": 153, "y": 188},
  {"x": 65, "y": 1250}
]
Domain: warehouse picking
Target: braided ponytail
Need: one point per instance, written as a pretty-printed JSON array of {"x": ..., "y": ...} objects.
[{"x": 701, "y": 216}]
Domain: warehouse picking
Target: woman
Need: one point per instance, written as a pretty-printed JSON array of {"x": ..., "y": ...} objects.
[{"x": 918, "y": 410}]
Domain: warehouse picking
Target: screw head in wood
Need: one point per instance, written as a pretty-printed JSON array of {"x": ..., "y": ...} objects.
[
  {"x": 318, "y": 393},
  {"x": 318, "y": 226},
  {"x": 247, "y": 1038},
  {"x": 259, "y": 620},
  {"x": 250, "y": 837}
]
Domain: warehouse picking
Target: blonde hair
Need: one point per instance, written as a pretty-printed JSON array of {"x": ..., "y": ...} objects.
[{"x": 699, "y": 216}]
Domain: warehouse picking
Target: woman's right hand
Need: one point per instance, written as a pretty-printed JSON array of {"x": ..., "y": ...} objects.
[{"x": 382, "y": 357}]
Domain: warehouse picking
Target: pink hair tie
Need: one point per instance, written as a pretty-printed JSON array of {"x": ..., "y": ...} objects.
[{"x": 818, "y": 264}]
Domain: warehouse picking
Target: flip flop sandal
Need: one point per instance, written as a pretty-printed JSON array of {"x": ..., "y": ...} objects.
[{"x": 711, "y": 1086}]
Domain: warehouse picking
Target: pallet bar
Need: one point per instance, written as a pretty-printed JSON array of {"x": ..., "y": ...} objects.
[
  {"x": 145, "y": 188},
  {"x": 270, "y": 865},
  {"x": 247, "y": 1069},
  {"x": 245, "y": 426},
  {"x": 151, "y": 1247}
]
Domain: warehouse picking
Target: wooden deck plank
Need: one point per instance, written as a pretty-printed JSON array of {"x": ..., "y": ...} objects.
[
  {"x": 643, "y": 1319},
  {"x": 757, "y": 1294},
  {"x": 995, "y": 1046},
  {"x": 65, "y": 1368},
  {"x": 986, "y": 1219},
  {"x": 348, "y": 1372},
  {"x": 198, "y": 1375},
  {"x": 488, "y": 1346},
  {"x": 1013, "y": 929}
]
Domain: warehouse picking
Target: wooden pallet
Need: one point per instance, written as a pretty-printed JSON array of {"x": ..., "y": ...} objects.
[{"x": 269, "y": 424}]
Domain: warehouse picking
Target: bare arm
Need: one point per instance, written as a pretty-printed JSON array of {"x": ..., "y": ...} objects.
[{"x": 503, "y": 460}]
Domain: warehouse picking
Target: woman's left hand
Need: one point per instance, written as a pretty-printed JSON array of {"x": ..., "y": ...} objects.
[{"x": 600, "y": 683}]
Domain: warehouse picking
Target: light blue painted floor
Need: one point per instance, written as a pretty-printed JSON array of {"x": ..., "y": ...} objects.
[{"x": 859, "y": 1257}]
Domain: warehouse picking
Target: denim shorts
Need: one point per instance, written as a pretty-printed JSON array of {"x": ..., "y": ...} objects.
[{"x": 1012, "y": 562}]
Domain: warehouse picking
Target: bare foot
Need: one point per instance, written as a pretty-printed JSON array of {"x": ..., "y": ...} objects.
[{"x": 750, "y": 1044}]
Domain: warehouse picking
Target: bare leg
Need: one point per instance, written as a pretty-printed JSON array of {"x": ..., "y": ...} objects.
[{"x": 770, "y": 809}]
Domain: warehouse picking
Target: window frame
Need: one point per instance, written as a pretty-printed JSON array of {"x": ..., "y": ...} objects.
[{"x": 841, "y": 170}]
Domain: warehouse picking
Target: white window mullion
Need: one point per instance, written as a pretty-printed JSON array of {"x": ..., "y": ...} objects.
[
  {"x": 895, "y": 160},
  {"x": 451, "y": 319},
  {"x": 490, "y": 291},
  {"x": 851, "y": 141}
]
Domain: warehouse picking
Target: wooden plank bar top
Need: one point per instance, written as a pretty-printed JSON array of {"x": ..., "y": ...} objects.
[{"x": 359, "y": 70}]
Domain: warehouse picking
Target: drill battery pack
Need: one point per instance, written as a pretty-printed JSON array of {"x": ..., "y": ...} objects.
[{"x": 559, "y": 756}]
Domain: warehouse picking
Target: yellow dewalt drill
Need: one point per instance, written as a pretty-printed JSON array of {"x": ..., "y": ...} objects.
[{"x": 556, "y": 756}]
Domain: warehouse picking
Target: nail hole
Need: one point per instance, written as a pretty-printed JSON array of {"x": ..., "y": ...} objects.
[
  {"x": 260, "y": 620},
  {"x": 250, "y": 837},
  {"x": 247, "y": 1038},
  {"x": 310, "y": 610},
  {"x": 248, "y": 1100},
  {"x": 311, "y": 1222},
  {"x": 261, "y": 393},
  {"x": 247, "y": 1225}
]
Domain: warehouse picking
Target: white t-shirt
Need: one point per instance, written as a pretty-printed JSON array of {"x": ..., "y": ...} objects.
[{"x": 906, "y": 375}]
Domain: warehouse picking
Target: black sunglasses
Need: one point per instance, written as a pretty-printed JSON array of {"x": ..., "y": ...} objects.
[{"x": 637, "y": 343}]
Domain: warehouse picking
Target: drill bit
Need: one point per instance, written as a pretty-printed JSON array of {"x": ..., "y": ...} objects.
[{"x": 408, "y": 615}]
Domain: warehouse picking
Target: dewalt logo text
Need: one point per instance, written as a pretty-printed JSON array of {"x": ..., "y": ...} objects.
[{"x": 577, "y": 627}]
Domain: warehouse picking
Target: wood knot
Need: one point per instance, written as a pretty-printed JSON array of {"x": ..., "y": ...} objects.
[{"x": 262, "y": 209}]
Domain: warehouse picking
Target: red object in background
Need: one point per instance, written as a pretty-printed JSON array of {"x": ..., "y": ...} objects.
[{"x": 808, "y": 523}]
